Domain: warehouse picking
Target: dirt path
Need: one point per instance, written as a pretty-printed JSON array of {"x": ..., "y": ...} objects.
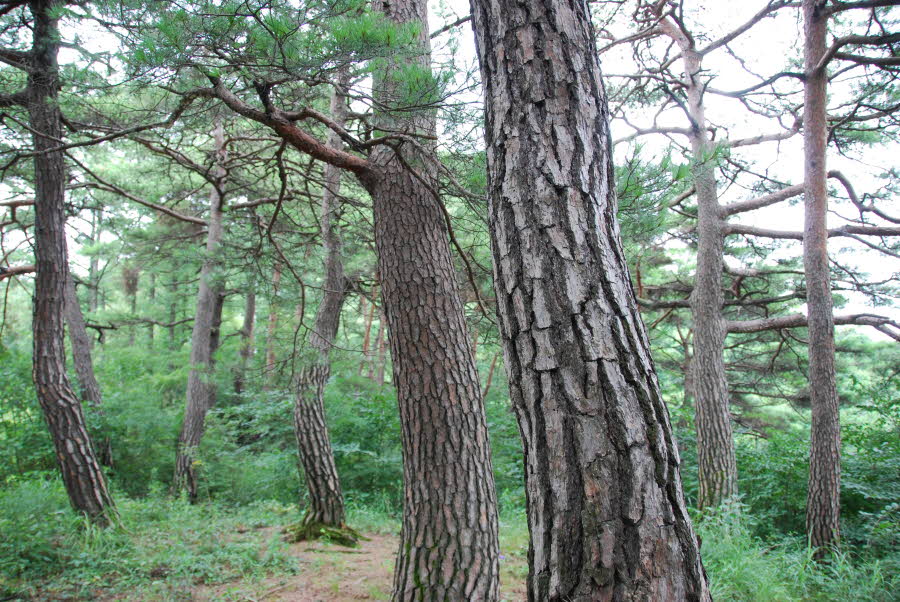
[{"x": 330, "y": 573}]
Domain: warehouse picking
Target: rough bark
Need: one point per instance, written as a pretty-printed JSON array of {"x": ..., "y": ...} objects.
[
  {"x": 716, "y": 461},
  {"x": 326, "y": 502},
  {"x": 81, "y": 473},
  {"x": 823, "y": 497},
  {"x": 448, "y": 541},
  {"x": 246, "y": 350},
  {"x": 204, "y": 338},
  {"x": 606, "y": 511}
]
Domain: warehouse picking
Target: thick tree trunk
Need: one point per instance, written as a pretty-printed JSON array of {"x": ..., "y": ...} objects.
[
  {"x": 81, "y": 473},
  {"x": 606, "y": 510},
  {"x": 448, "y": 541},
  {"x": 823, "y": 497},
  {"x": 201, "y": 390},
  {"x": 326, "y": 502},
  {"x": 246, "y": 350}
]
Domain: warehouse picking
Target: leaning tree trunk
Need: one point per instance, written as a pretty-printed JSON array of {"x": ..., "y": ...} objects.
[
  {"x": 88, "y": 386},
  {"x": 606, "y": 510},
  {"x": 823, "y": 497},
  {"x": 201, "y": 389},
  {"x": 78, "y": 464},
  {"x": 448, "y": 541},
  {"x": 81, "y": 347},
  {"x": 326, "y": 502}
]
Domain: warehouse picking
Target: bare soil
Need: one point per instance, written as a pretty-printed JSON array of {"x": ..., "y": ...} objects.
[{"x": 332, "y": 573}]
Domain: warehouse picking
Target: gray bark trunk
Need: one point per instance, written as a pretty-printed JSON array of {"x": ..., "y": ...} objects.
[
  {"x": 823, "y": 498},
  {"x": 247, "y": 331},
  {"x": 606, "y": 511},
  {"x": 201, "y": 390},
  {"x": 716, "y": 461},
  {"x": 81, "y": 472}
]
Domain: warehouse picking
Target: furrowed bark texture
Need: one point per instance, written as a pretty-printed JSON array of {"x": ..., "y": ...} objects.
[
  {"x": 606, "y": 510},
  {"x": 81, "y": 347},
  {"x": 81, "y": 473},
  {"x": 716, "y": 462},
  {"x": 326, "y": 502},
  {"x": 823, "y": 497},
  {"x": 448, "y": 542},
  {"x": 201, "y": 391}
]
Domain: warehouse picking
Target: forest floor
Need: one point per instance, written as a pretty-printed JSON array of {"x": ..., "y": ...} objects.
[{"x": 328, "y": 572}]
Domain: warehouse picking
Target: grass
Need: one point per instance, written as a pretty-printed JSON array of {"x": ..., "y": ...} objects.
[
  {"x": 166, "y": 547},
  {"x": 169, "y": 548}
]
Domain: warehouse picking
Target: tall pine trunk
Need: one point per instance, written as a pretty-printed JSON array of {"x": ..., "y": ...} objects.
[
  {"x": 326, "y": 502},
  {"x": 823, "y": 497},
  {"x": 716, "y": 462},
  {"x": 606, "y": 511},
  {"x": 448, "y": 540},
  {"x": 201, "y": 389},
  {"x": 81, "y": 473}
]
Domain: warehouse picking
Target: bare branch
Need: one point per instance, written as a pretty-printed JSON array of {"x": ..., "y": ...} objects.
[{"x": 881, "y": 323}]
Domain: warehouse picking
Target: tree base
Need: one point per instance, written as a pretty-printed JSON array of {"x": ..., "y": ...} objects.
[{"x": 310, "y": 531}]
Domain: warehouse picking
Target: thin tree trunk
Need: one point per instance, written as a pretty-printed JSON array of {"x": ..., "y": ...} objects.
[
  {"x": 94, "y": 270},
  {"x": 378, "y": 353},
  {"x": 151, "y": 328},
  {"x": 246, "y": 351},
  {"x": 823, "y": 497},
  {"x": 173, "y": 312},
  {"x": 606, "y": 511},
  {"x": 490, "y": 376},
  {"x": 382, "y": 351},
  {"x": 88, "y": 386},
  {"x": 326, "y": 502},
  {"x": 448, "y": 540},
  {"x": 81, "y": 347},
  {"x": 81, "y": 473},
  {"x": 204, "y": 339},
  {"x": 716, "y": 462},
  {"x": 269, "y": 375},
  {"x": 367, "y": 336}
]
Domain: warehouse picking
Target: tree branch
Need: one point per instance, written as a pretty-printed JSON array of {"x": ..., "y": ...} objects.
[{"x": 881, "y": 323}]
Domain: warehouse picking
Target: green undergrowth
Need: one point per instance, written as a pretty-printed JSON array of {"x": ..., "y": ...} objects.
[
  {"x": 165, "y": 548},
  {"x": 742, "y": 567}
]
